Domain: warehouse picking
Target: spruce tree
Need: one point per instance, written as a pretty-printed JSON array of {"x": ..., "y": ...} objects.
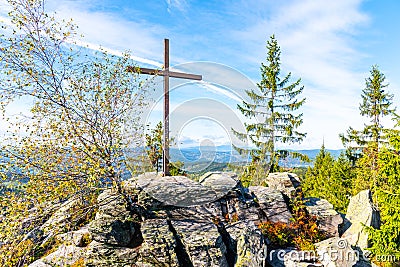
[
  {"x": 338, "y": 187},
  {"x": 386, "y": 193},
  {"x": 272, "y": 110},
  {"x": 376, "y": 103},
  {"x": 314, "y": 183},
  {"x": 329, "y": 179}
]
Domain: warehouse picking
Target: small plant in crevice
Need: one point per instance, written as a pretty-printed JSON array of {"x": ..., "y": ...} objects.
[{"x": 302, "y": 232}]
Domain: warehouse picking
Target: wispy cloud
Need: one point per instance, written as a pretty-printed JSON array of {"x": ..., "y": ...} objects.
[
  {"x": 317, "y": 40},
  {"x": 113, "y": 31},
  {"x": 181, "y": 5},
  {"x": 4, "y": 9},
  {"x": 116, "y": 52},
  {"x": 220, "y": 90}
]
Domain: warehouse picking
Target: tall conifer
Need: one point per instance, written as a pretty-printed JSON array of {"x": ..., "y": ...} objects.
[
  {"x": 272, "y": 112},
  {"x": 376, "y": 104}
]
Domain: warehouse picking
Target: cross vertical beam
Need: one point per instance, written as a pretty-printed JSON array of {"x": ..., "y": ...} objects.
[
  {"x": 166, "y": 73},
  {"x": 166, "y": 109}
]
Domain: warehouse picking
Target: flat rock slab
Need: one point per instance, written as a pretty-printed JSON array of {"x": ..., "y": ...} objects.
[
  {"x": 328, "y": 219},
  {"x": 220, "y": 182},
  {"x": 272, "y": 204},
  {"x": 285, "y": 182},
  {"x": 180, "y": 191}
]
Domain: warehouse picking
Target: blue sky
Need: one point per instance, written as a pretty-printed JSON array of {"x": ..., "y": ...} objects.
[{"x": 331, "y": 45}]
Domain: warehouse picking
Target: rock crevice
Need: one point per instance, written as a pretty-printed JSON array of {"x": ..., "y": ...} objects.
[{"x": 177, "y": 222}]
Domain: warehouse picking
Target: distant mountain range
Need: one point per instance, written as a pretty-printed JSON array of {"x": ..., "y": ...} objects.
[{"x": 226, "y": 154}]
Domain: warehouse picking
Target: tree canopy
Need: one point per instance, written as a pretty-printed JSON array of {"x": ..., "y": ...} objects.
[
  {"x": 376, "y": 104},
  {"x": 272, "y": 110},
  {"x": 70, "y": 143}
]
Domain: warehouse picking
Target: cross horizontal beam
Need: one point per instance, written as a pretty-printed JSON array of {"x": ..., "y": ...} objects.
[{"x": 172, "y": 74}]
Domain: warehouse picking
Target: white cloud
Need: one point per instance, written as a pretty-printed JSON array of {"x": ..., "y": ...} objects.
[
  {"x": 116, "y": 53},
  {"x": 220, "y": 90},
  {"x": 181, "y": 5},
  {"x": 317, "y": 40},
  {"x": 111, "y": 30}
]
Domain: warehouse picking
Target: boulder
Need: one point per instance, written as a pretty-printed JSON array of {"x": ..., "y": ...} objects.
[
  {"x": 65, "y": 255},
  {"x": 175, "y": 221},
  {"x": 79, "y": 238},
  {"x": 338, "y": 252},
  {"x": 328, "y": 219},
  {"x": 61, "y": 218},
  {"x": 103, "y": 255},
  {"x": 158, "y": 244},
  {"x": 220, "y": 182},
  {"x": 113, "y": 224},
  {"x": 361, "y": 211},
  {"x": 272, "y": 204},
  {"x": 202, "y": 242},
  {"x": 178, "y": 191},
  {"x": 252, "y": 248},
  {"x": 39, "y": 263},
  {"x": 284, "y": 182}
]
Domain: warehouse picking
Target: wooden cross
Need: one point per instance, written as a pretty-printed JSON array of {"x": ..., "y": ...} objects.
[{"x": 166, "y": 73}]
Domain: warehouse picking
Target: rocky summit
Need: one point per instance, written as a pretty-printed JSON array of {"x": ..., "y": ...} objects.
[{"x": 175, "y": 221}]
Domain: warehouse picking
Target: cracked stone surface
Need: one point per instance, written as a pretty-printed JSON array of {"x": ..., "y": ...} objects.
[
  {"x": 328, "y": 219},
  {"x": 361, "y": 212},
  {"x": 180, "y": 191},
  {"x": 174, "y": 221},
  {"x": 272, "y": 204}
]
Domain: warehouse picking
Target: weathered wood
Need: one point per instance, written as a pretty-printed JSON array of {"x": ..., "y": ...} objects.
[
  {"x": 172, "y": 74},
  {"x": 166, "y": 109}
]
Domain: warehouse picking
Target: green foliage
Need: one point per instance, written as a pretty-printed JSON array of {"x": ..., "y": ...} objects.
[
  {"x": 279, "y": 233},
  {"x": 386, "y": 240},
  {"x": 376, "y": 104},
  {"x": 316, "y": 177},
  {"x": 154, "y": 146},
  {"x": 339, "y": 186},
  {"x": 176, "y": 168},
  {"x": 302, "y": 232},
  {"x": 85, "y": 112},
  {"x": 273, "y": 111},
  {"x": 330, "y": 179},
  {"x": 154, "y": 150},
  {"x": 246, "y": 174},
  {"x": 299, "y": 171},
  {"x": 366, "y": 171}
]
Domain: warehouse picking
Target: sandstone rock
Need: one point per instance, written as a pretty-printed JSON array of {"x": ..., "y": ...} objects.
[
  {"x": 328, "y": 219},
  {"x": 252, "y": 248},
  {"x": 39, "y": 263},
  {"x": 158, "y": 244},
  {"x": 220, "y": 182},
  {"x": 272, "y": 204},
  {"x": 113, "y": 224},
  {"x": 112, "y": 204},
  {"x": 112, "y": 231},
  {"x": 64, "y": 256},
  {"x": 79, "y": 238},
  {"x": 103, "y": 255},
  {"x": 178, "y": 191},
  {"x": 361, "y": 211},
  {"x": 284, "y": 182},
  {"x": 203, "y": 243},
  {"x": 61, "y": 217},
  {"x": 174, "y": 221},
  {"x": 338, "y": 252}
]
